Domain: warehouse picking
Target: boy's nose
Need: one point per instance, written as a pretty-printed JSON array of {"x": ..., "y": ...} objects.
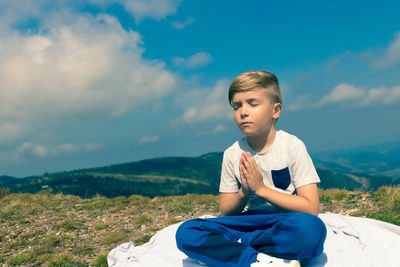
[{"x": 243, "y": 112}]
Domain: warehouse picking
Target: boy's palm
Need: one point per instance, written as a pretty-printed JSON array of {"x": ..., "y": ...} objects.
[{"x": 250, "y": 173}]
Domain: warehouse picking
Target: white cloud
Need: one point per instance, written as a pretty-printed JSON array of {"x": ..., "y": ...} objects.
[
  {"x": 382, "y": 95},
  {"x": 181, "y": 25},
  {"x": 66, "y": 148},
  {"x": 199, "y": 59},
  {"x": 149, "y": 139},
  {"x": 351, "y": 96},
  {"x": 75, "y": 68},
  {"x": 93, "y": 146},
  {"x": 29, "y": 149},
  {"x": 13, "y": 11},
  {"x": 150, "y": 8},
  {"x": 219, "y": 129},
  {"x": 391, "y": 56},
  {"x": 206, "y": 104},
  {"x": 143, "y": 8},
  {"x": 70, "y": 148},
  {"x": 341, "y": 93}
]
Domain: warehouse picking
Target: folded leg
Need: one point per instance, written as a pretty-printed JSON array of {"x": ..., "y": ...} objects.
[{"x": 284, "y": 235}]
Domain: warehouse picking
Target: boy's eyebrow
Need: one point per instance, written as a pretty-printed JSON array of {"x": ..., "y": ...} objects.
[
  {"x": 252, "y": 99},
  {"x": 247, "y": 100}
]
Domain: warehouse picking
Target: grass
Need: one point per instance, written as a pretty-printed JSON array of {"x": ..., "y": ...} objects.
[
  {"x": 388, "y": 208},
  {"x": 115, "y": 237},
  {"x": 383, "y": 204},
  {"x": 142, "y": 219},
  {"x": 19, "y": 259},
  {"x": 63, "y": 230}
]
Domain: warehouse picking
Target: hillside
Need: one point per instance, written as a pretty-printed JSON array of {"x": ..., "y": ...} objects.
[
  {"x": 65, "y": 230},
  {"x": 7, "y": 180},
  {"x": 153, "y": 177},
  {"x": 165, "y": 177},
  {"x": 374, "y": 160}
]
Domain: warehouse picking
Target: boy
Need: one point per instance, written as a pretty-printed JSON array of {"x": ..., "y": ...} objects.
[{"x": 269, "y": 197}]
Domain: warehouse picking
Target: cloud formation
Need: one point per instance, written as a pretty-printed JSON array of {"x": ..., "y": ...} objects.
[
  {"x": 199, "y": 59},
  {"x": 206, "y": 104},
  {"x": 75, "y": 69},
  {"x": 351, "y": 96},
  {"x": 391, "y": 56},
  {"x": 179, "y": 25},
  {"x": 29, "y": 149},
  {"x": 342, "y": 93},
  {"x": 149, "y": 139}
]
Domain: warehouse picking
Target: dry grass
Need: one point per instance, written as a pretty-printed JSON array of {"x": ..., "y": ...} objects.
[{"x": 53, "y": 230}]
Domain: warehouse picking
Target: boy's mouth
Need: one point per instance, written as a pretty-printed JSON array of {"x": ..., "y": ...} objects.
[{"x": 245, "y": 123}]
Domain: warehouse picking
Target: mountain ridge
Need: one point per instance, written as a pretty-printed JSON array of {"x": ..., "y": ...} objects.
[{"x": 166, "y": 176}]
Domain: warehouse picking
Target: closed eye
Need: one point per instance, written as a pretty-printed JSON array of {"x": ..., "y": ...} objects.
[
  {"x": 236, "y": 106},
  {"x": 253, "y": 102}
]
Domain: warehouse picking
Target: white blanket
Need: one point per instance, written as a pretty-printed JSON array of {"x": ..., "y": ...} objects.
[{"x": 350, "y": 241}]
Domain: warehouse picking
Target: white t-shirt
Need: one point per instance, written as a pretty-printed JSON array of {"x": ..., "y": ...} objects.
[{"x": 285, "y": 166}]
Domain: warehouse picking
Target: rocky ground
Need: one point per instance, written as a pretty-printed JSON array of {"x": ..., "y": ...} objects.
[{"x": 53, "y": 230}]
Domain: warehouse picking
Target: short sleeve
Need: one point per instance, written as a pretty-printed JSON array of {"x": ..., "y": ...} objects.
[
  {"x": 303, "y": 170},
  {"x": 229, "y": 183}
]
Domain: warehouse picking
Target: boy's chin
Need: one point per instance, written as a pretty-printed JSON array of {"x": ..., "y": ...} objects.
[{"x": 248, "y": 133}]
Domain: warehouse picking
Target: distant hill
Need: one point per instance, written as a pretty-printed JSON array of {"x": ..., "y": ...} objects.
[
  {"x": 7, "y": 179},
  {"x": 375, "y": 160},
  {"x": 153, "y": 177},
  {"x": 174, "y": 176}
]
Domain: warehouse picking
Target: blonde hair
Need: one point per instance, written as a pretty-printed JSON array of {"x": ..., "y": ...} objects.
[{"x": 256, "y": 79}]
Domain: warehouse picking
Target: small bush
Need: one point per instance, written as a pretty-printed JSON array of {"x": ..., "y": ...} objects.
[
  {"x": 19, "y": 259},
  {"x": 50, "y": 240},
  {"x": 23, "y": 221},
  {"x": 115, "y": 237},
  {"x": 7, "y": 215},
  {"x": 100, "y": 261},
  {"x": 4, "y": 192},
  {"x": 63, "y": 260},
  {"x": 70, "y": 225},
  {"x": 142, "y": 240},
  {"x": 142, "y": 219},
  {"x": 333, "y": 194},
  {"x": 96, "y": 203},
  {"x": 388, "y": 201},
  {"x": 172, "y": 221},
  {"x": 100, "y": 226},
  {"x": 19, "y": 244},
  {"x": 180, "y": 207}
]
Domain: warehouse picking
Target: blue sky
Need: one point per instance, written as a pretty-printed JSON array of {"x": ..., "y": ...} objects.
[{"x": 93, "y": 83}]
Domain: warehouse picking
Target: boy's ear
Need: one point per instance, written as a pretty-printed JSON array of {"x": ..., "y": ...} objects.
[{"x": 276, "y": 112}]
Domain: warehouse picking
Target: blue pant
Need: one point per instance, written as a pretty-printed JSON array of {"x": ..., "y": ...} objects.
[{"x": 284, "y": 235}]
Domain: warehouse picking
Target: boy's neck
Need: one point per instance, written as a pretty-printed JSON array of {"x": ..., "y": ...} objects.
[{"x": 261, "y": 143}]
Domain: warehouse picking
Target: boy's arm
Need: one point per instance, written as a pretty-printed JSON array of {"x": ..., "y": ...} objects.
[
  {"x": 232, "y": 203},
  {"x": 307, "y": 199}
]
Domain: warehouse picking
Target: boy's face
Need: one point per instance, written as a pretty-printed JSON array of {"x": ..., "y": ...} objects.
[{"x": 253, "y": 111}]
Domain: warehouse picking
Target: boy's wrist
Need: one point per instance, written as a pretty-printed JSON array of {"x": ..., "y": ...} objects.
[
  {"x": 261, "y": 190},
  {"x": 243, "y": 195}
]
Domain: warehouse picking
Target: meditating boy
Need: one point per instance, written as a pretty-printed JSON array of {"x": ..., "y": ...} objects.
[{"x": 269, "y": 196}]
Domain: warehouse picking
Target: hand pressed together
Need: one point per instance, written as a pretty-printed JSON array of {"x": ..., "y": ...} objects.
[{"x": 250, "y": 174}]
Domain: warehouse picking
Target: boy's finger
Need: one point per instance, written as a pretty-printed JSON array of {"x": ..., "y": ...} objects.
[
  {"x": 250, "y": 161},
  {"x": 241, "y": 169},
  {"x": 253, "y": 162}
]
